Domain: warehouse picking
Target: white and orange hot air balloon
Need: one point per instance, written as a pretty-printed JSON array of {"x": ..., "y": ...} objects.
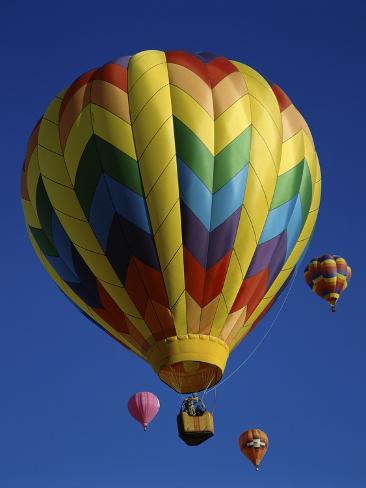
[{"x": 253, "y": 444}]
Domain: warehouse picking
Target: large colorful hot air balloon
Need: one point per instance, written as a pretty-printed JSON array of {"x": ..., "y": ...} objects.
[
  {"x": 170, "y": 196},
  {"x": 143, "y": 407},
  {"x": 254, "y": 444},
  {"x": 328, "y": 277}
]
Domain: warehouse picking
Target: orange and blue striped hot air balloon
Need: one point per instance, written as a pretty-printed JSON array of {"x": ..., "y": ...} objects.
[
  {"x": 328, "y": 277},
  {"x": 170, "y": 195}
]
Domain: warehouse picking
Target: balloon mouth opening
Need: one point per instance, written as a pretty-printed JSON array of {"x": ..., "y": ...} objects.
[
  {"x": 190, "y": 376},
  {"x": 190, "y": 362}
]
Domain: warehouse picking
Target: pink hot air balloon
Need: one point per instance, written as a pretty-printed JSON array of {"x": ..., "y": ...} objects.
[{"x": 143, "y": 407}]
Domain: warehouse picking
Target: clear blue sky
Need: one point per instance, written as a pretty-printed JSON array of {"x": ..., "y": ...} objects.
[{"x": 64, "y": 384}]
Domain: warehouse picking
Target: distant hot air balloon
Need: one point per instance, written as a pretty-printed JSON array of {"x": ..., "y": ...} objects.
[
  {"x": 328, "y": 277},
  {"x": 170, "y": 195},
  {"x": 143, "y": 407},
  {"x": 254, "y": 444}
]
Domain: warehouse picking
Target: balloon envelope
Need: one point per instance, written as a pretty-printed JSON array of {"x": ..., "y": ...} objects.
[
  {"x": 254, "y": 444},
  {"x": 328, "y": 277},
  {"x": 143, "y": 407},
  {"x": 170, "y": 196}
]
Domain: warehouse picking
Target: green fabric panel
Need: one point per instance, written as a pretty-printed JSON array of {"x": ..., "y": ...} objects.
[
  {"x": 119, "y": 165},
  {"x": 306, "y": 192},
  {"x": 44, "y": 243},
  {"x": 288, "y": 185},
  {"x": 194, "y": 153},
  {"x": 44, "y": 210},
  {"x": 88, "y": 175},
  {"x": 232, "y": 159}
]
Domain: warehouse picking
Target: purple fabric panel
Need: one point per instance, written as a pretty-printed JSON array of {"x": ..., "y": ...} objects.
[
  {"x": 262, "y": 256},
  {"x": 140, "y": 243},
  {"x": 127, "y": 240},
  {"x": 118, "y": 251},
  {"x": 87, "y": 288},
  {"x": 278, "y": 258},
  {"x": 222, "y": 238},
  {"x": 195, "y": 235}
]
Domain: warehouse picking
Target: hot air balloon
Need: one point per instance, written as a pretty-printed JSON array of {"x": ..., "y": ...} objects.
[
  {"x": 170, "y": 196},
  {"x": 143, "y": 407},
  {"x": 328, "y": 277},
  {"x": 254, "y": 444}
]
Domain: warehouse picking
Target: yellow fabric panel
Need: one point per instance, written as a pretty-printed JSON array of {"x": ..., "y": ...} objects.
[
  {"x": 61, "y": 94},
  {"x": 171, "y": 227},
  {"x": 220, "y": 317},
  {"x": 268, "y": 130},
  {"x": 174, "y": 277},
  {"x": 299, "y": 247},
  {"x": 261, "y": 90},
  {"x": 123, "y": 300},
  {"x": 154, "y": 139},
  {"x": 157, "y": 156},
  {"x": 79, "y": 232},
  {"x": 232, "y": 123},
  {"x": 111, "y": 98},
  {"x": 234, "y": 279},
  {"x": 30, "y": 216},
  {"x": 179, "y": 312},
  {"x": 193, "y": 315},
  {"x": 255, "y": 203},
  {"x": 193, "y": 85},
  {"x": 228, "y": 91},
  {"x": 53, "y": 166},
  {"x": 63, "y": 199},
  {"x": 146, "y": 87},
  {"x": 99, "y": 265},
  {"x": 53, "y": 110},
  {"x": 316, "y": 196},
  {"x": 113, "y": 130},
  {"x": 190, "y": 113},
  {"x": 163, "y": 197},
  {"x": 33, "y": 176},
  {"x": 292, "y": 122},
  {"x": 141, "y": 326},
  {"x": 48, "y": 136},
  {"x": 263, "y": 164},
  {"x": 311, "y": 158},
  {"x": 292, "y": 152},
  {"x": 154, "y": 114},
  {"x": 237, "y": 327},
  {"x": 309, "y": 225},
  {"x": 243, "y": 331},
  {"x": 207, "y": 316},
  {"x": 116, "y": 334},
  {"x": 73, "y": 108},
  {"x": 142, "y": 62},
  {"x": 231, "y": 321},
  {"x": 244, "y": 245},
  {"x": 276, "y": 285},
  {"x": 78, "y": 137}
]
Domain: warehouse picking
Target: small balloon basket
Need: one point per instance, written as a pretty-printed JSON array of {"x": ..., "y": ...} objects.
[{"x": 194, "y": 430}]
